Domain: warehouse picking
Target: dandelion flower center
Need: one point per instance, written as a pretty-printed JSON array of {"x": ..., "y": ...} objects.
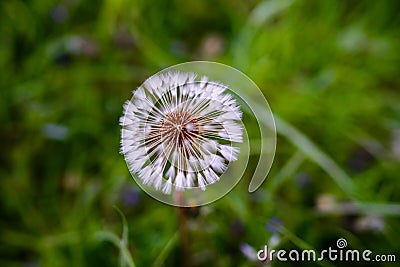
[{"x": 179, "y": 126}]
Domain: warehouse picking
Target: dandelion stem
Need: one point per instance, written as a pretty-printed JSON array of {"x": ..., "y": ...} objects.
[{"x": 183, "y": 231}]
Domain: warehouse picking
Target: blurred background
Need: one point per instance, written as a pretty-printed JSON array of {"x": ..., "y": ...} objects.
[{"x": 329, "y": 69}]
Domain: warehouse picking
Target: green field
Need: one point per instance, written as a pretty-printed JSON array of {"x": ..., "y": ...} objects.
[{"x": 329, "y": 69}]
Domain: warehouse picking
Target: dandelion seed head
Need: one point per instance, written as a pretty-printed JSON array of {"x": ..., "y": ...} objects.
[{"x": 180, "y": 133}]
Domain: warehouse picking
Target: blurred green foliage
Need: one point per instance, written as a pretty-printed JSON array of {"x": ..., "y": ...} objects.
[{"x": 329, "y": 68}]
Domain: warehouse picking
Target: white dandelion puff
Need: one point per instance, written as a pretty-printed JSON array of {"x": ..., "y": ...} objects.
[{"x": 178, "y": 132}]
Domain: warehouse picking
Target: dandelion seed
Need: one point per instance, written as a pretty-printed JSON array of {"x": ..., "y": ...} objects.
[{"x": 179, "y": 132}]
